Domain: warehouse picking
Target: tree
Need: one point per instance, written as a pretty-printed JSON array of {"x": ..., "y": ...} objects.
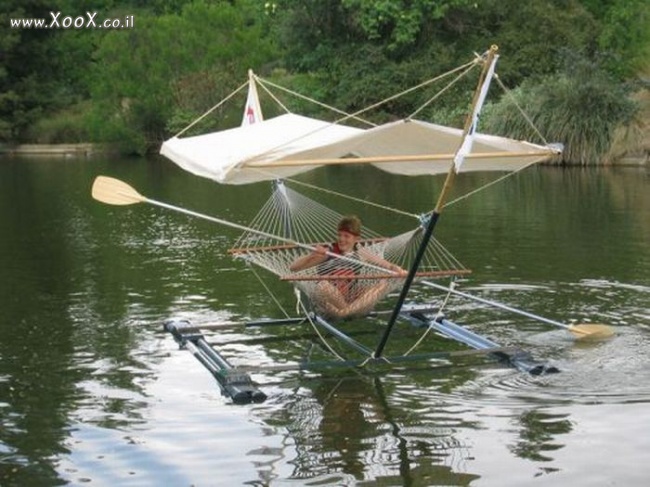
[
  {"x": 399, "y": 24},
  {"x": 143, "y": 75},
  {"x": 44, "y": 70},
  {"x": 626, "y": 35}
]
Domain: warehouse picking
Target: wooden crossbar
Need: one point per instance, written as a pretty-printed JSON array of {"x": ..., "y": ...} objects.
[
  {"x": 399, "y": 158},
  {"x": 271, "y": 248},
  {"x": 338, "y": 277}
]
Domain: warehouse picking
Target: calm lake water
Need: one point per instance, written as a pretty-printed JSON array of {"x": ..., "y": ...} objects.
[{"x": 94, "y": 392}]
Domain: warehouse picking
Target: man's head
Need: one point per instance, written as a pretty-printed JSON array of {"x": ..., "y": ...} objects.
[
  {"x": 349, "y": 231},
  {"x": 350, "y": 224}
]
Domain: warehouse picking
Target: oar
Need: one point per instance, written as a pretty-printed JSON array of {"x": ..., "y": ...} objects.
[
  {"x": 115, "y": 192},
  {"x": 583, "y": 330}
]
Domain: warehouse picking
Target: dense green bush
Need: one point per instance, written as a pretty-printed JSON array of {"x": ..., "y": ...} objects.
[
  {"x": 580, "y": 108},
  {"x": 66, "y": 126}
]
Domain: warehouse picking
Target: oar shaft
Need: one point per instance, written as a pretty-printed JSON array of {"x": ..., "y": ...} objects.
[
  {"x": 222, "y": 222},
  {"x": 496, "y": 304},
  {"x": 259, "y": 232}
]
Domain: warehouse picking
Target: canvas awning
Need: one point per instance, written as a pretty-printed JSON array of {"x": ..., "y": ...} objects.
[
  {"x": 224, "y": 156},
  {"x": 290, "y": 144}
]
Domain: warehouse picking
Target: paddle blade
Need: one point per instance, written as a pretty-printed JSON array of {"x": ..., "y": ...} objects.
[
  {"x": 593, "y": 331},
  {"x": 115, "y": 192}
]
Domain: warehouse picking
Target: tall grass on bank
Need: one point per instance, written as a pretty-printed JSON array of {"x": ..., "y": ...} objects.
[
  {"x": 581, "y": 108},
  {"x": 633, "y": 140},
  {"x": 69, "y": 126}
]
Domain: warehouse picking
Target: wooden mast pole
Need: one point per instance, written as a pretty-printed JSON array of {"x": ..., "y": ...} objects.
[{"x": 435, "y": 215}]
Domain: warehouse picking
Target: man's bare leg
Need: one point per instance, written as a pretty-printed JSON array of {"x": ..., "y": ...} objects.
[{"x": 366, "y": 301}]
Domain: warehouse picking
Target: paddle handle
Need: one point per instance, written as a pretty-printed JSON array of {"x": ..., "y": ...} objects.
[{"x": 496, "y": 304}]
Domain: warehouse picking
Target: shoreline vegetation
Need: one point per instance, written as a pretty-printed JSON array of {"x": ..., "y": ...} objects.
[
  {"x": 580, "y": 69},
  {"x": 80, "y": 150}
]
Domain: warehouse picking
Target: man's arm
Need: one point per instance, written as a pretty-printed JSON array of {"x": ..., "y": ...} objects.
[{"x": 316, "y": 257}]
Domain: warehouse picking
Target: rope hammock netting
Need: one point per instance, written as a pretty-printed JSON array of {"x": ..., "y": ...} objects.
[{"x": 342, "y": 285}]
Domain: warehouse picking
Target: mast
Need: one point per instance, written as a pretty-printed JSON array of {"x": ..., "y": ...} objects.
[{"x": 463, "y": 150}]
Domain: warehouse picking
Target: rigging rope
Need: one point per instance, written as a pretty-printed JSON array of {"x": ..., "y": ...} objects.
[
  {"x": 512, "y": 98},
  {"x": 486, "y": 186},
  {"x": 439, "y": 314},
  {"x": 356, "y": 114},
  {"x": 268, "y": 291},
  {"x": 442, "y": 91},
  {"x": 258, "y": 80},
  {"x": 263, "y": 82},
  {"x": 310, "y": 317},
  {"x": 348, "y": 197},
  {"x": 192, "y": 124}
]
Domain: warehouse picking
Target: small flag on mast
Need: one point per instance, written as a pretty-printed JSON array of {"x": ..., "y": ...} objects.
[
  {"x": 252, "y": 110},
  {"x": 466, "y": 146}
]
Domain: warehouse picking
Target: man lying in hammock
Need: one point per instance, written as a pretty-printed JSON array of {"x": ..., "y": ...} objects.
[{"x": 337, "y": 296}]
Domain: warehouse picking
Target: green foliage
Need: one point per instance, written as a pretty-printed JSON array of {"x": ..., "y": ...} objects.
[
  {"x": 145, "y": 76},
  {"x": 65, "y": 126},
  {"x": 580, "y": 108},
  {"x": 43, "y": 70},
  {"x": 310, "y": 32},
  {"x": 397, "y": 24},
  {"x": 366, "y": 76},
  {"x": 138, "y": 86},
  {"x": 311, "y": 85},
  {"x": 626, "y": 34},
  {"x": 370, "y": 49},
  {"x": 531, "y": 34}
]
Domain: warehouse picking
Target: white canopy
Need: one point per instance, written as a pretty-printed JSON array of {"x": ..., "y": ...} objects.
[
  {"x": 291, "y": 144},
  {"x": 225, "y": 155}
]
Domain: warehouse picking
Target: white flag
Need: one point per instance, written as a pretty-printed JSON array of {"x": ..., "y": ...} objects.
[
  {"x": 466, "y": 146},
  {"x": 252, "y": 110}
]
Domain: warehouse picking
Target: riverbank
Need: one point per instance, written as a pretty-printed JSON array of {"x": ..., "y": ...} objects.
[
  {"x": 58, "y": 150},
  {"x": 632, "y": 161}
]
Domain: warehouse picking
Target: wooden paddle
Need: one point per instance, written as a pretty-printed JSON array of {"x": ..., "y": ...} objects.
[
  {"x": 115, "y": 192},
  {"x": 592, "y": 331}
]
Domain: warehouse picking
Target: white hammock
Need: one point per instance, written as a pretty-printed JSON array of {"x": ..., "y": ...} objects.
[{"x": 354, "y": 277}]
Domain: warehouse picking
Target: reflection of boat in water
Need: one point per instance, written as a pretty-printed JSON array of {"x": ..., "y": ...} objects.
[
  {"x": 395, "y": 431},
  {"x": 346, "y": 429},
  {"x": 291, "y": 226}
]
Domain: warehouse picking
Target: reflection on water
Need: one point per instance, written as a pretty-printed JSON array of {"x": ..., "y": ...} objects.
[
  {"x": 93, "y": 391},
  {"x": 350, "y": 423}
]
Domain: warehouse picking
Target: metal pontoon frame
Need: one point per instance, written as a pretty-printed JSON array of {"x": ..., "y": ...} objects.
[{"x": 237, "y": 384}]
